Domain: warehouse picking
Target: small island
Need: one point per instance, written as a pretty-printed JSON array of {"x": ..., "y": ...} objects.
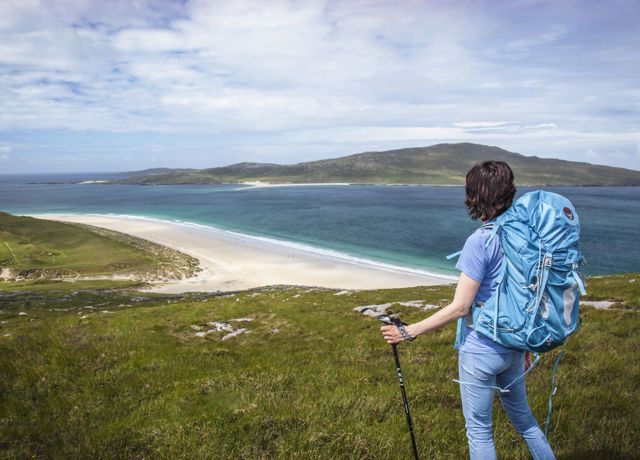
[{"x": 441, "y": 164}]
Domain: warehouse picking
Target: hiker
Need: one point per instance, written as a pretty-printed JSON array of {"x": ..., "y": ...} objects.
[{"x": 484, "y": 365}]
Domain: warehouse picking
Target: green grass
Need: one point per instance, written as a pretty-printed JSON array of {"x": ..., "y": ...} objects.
[
  {"x": 623, "y": 289},
  {"x": 50, "y": 287},
  {"x": 7, "y": 257},
  {"x": 135, "y": 383},
  {"x": 37, "y": 248}
]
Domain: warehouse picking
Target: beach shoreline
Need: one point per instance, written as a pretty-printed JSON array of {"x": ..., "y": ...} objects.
[{"x": 233, "y": 261}]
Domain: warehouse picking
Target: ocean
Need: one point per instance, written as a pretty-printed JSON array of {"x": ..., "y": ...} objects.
[{"x": 408, "y": 226}]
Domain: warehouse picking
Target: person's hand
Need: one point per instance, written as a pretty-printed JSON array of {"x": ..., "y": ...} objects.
[
  {"x": 527, "y": 361},
  {"x": 392, "y": 334}
]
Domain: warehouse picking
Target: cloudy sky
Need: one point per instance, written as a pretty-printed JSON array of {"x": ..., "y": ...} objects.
[{"x": 113, "y": 85}]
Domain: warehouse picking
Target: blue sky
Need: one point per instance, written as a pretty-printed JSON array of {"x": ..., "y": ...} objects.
[{"x": 91, "y": 85}]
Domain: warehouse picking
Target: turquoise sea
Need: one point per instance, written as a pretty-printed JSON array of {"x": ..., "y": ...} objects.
[{"x": 410, "y": 226}]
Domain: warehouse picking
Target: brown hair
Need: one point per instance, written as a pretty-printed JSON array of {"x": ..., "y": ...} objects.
[{"x": 490, "y": 190}]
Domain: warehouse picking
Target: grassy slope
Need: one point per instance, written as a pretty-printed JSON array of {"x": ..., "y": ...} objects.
[
  {"x": 624, "y": 289},
  {"x": 36, "y": 247},
  {"x": 437, "y": 164},
  {"x": 136, "y": 383}
]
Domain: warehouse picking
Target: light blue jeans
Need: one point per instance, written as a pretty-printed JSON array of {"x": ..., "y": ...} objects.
[{"x": 481, "y": 373}]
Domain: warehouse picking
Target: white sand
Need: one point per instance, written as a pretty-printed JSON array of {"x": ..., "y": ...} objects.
[
  {"x": 232, "y": 261},
  {"x": 260, "y": 184}
]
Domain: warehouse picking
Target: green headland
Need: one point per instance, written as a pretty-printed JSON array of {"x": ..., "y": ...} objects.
[
  {"x": 43, "y": 249},
  {"x": 98, "y": 369},
  {"x": 441, "y": 164}
]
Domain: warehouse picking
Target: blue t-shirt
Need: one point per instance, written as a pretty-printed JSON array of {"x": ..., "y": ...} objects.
[{"x": 483, "y": 264}]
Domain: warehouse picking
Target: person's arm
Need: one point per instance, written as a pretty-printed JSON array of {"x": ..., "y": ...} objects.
[{"x": 459, "y": 307}]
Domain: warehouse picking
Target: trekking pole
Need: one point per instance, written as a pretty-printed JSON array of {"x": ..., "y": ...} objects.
[{"x": 386, "y": 319}]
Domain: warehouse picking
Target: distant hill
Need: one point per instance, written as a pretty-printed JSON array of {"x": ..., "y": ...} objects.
[{"x": 438, "y": 164}]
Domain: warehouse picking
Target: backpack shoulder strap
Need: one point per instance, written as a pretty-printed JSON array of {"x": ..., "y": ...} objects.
[{"x": 486, "y": 226}]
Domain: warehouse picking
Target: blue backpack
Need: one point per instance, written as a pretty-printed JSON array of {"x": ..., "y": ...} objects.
[{"x": 535, "y": 305}]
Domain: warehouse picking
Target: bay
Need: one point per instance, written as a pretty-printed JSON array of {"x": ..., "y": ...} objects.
[{"x": 411, "y": 226}]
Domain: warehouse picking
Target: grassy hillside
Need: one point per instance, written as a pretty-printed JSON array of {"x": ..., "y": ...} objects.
[
  {"x": 95, "y": 369},
  {"x": 38, "y": 248},
  {"x": 622, "y": 289},
  {"x": 114, "y": 374},
  {"x": 438, "y": 164}
]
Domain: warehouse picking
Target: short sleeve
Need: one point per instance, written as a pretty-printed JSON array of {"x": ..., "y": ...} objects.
[{"x": 472, "y": 261}]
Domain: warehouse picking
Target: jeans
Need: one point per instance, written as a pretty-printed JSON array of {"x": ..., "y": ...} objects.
[{"x": 480, "y": 374}]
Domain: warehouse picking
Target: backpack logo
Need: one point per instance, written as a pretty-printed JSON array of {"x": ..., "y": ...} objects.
[{"x": 568, "y": 212}]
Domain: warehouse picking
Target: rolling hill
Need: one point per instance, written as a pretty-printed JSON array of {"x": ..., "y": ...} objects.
[{"x": 438, "y": 165}]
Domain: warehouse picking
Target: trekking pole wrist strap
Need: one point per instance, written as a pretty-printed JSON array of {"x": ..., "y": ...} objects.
[{"x": 405, "y": 334}]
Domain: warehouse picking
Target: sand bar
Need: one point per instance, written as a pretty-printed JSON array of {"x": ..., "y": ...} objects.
[{"x": 232, "y": 261}]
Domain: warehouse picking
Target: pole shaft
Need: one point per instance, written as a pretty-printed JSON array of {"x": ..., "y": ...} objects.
[{"x": 405, "y": 400}]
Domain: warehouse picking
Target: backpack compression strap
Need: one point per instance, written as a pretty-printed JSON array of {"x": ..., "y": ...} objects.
[{"x": 554, "y": 388}]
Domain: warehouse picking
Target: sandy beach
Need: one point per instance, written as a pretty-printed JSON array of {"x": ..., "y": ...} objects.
[{"x": 232, "y": 261}]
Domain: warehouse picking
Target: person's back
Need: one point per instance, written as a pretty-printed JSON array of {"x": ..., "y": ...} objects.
[
  {"x": 482, "y": 263},
  {"x": 484, "y": 365}
]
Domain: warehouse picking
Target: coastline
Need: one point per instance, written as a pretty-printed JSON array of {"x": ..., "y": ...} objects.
[{"x": 233, "y": 261}]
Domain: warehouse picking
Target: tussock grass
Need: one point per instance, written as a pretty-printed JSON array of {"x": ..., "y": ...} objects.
[
  {"x": 36, "y": 248},
  {"x": 311, "y": 380}
]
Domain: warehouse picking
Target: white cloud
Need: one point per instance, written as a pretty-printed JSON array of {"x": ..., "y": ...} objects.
[
  {"x": 506, "y": 132},
  {"x": 5, "y": 152},
  {"x": 481, "y": 124},
  {"x": 356, "y": 72},
  {"x": 525, "y": 44}
]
